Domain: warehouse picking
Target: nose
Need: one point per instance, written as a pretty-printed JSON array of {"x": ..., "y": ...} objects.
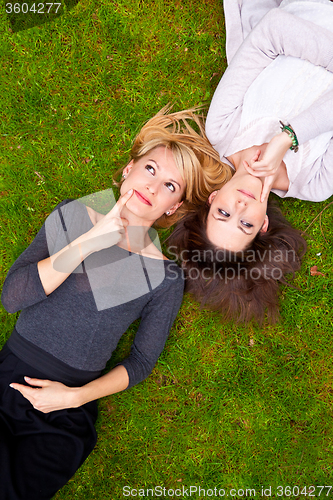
[
  {"x": 150, "y": 189},
  {"x": 152, "y": 186},
  {"x": 242, "y": 201}
]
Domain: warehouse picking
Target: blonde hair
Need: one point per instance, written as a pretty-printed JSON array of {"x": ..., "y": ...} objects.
[{"x": 197, "y": 161}]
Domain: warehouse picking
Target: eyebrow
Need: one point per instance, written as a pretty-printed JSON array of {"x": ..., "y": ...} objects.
[
  {"x": 159, "y": 168},
  {"x": 239, "y": 227}
]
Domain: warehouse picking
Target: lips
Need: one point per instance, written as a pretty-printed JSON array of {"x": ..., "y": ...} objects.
[
  {"x": 142, "y": 198},
  {"x": 246, "y": 193}
]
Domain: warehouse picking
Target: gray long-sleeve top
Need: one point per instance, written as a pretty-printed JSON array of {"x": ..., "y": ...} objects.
[
  {"x": 80, "y": 323},
  {"x": 278, "y": 33}
]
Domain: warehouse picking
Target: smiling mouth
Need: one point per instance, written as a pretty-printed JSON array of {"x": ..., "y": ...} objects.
[
  {"x": 142, "y": 198},
  {"x": 247, "y": 193}
]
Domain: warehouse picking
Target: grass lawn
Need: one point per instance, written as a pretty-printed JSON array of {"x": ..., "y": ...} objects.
[{"x": 227, "y": 406}]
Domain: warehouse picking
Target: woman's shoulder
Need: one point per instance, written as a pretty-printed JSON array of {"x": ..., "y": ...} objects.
[
  {"x": 68, "y": 220},
  {"x": 174, "y": 275},
  {"x": 72, "y": 208}
]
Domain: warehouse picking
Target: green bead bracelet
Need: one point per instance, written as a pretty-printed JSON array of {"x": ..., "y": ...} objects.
[{"x": 288, "y": 129}]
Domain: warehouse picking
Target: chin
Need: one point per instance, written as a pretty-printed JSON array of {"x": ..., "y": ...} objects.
[
  {"x": 140, "y": 212},
  {"x": 255, "y": 185},
  {"x": 254, "y": 180}
]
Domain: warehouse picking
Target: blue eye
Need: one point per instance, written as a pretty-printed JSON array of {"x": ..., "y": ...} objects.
[
  {"x": 246, "y": 224},
  {"x": 223, "y": 212},
  {"x": 150, "y": 169}
]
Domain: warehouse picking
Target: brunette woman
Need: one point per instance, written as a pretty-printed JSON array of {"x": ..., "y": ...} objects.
[{"x": 270, "y": 119}]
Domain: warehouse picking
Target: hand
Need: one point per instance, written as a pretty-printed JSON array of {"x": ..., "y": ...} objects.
[
  {"x": 270, "y": 162},
  {"x": 267, "y": 182},
  {"x": 109, "y": 230},
  {"x": 272, "y": 156},
  {"x": 47, "y": 396}
]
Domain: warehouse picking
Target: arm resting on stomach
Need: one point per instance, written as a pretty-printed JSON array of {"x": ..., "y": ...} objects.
[{"x": 47, "y": 396}]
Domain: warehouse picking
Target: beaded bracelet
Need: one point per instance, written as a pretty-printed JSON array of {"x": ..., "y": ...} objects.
[{"x": 288, "y": 129}]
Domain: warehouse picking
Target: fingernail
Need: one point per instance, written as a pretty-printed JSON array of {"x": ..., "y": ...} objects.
[
  {"x": 130, "y": 191},
  {"x": 11, "y": 385},
  {"x": 27, "y": 378}
]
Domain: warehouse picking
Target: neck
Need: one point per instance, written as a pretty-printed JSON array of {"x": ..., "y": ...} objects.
[
  {"x": 133, "y": 220},
  {"x": 235, "y": 160}
]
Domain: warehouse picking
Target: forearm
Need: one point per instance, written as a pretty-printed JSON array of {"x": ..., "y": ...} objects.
[
  {"x": 315, "y": 183},
  {"x": 54, "y": 270},
  {"x": 47, "y": 396},
  {"x": 315, "y": 120},
  {"x": 107, "y": 232},
  {"x": 114, "y": 381}
]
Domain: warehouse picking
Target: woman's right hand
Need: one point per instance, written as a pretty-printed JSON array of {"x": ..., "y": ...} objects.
[
  {"x": 54, "y": 270},
  {"x": 108, "y": 231},
  {"x": 271, "y": 158},
  {"x": 268, "y": 165}
]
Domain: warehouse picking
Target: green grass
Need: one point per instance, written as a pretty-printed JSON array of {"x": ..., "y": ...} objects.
[{"x": 227, "y": 406}]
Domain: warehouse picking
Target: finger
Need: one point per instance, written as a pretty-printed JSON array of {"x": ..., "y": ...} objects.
[
  {"x": 257, "y": 172},
  {"x": 36, "y": 382},
  {"x": 266, "y": 189},
  {"x": 251, "y": 170},
  {"x": 121, "y": 222},
  {"x": 259, "y": 165},
  {"x": 17, "y": 387},
  {"x": 27, "y": 392},
  {"x": 115, "y": 211},
  {"x": 256, "y": 156},
  {"x": 124, "y": 222}
]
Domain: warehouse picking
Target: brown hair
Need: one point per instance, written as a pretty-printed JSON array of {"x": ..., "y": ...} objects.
[
  {"x": 241, "y": 285},
  {"x": 198, "y": 162}
]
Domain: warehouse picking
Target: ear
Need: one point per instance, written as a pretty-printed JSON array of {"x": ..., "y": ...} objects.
[
  {"x": 211, "y": 197},
  {"x": 128, "y": 168},
  {"x": 264, "y": 227},
  {"x": 175, "y": 207}
]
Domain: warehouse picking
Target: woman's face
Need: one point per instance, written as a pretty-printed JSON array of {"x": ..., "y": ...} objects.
[
  {"x": 157, "y": 184},
  {"x": 236, "y": 213}
]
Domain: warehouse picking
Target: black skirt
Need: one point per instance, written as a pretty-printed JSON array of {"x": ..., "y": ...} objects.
[{"x": 39, "y": 452}]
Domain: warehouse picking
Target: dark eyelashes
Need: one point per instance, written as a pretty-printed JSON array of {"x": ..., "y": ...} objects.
[
  {"x": 223, "y": 212},
  {"x": 172, "y": 186},
  {"x": 246, "y": 224},
  {"x": 226, "y": 214},
  {"x": 149, "y": 167}
]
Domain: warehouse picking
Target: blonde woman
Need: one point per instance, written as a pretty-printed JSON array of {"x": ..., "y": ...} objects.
[{"x": 82, "y": 281}]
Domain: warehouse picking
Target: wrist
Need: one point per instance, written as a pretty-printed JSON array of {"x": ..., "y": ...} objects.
[
  {"x": 289, "y": 131},
  {"x": 85, "y": 244},
  {"x": 77, "y": 396},
  {"x": 286, "y": 140}
]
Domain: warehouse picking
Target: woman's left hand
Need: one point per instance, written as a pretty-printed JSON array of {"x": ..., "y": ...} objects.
[{"x": 47, "y": 396}]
